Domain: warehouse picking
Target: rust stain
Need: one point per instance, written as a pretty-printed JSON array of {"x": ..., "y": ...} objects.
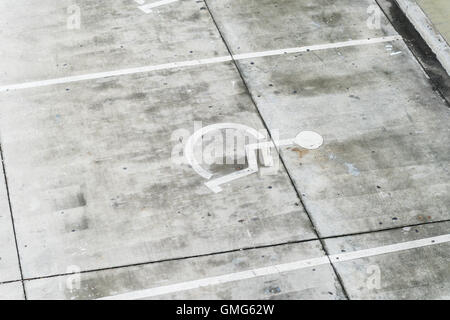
[{"x": 301, "y": 152}]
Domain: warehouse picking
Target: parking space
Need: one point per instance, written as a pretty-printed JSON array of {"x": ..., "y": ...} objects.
[
  {"x": 111, "y": 35},
  {"x": 168, "y": 280},
  {"x": 93, "y": 184},
  {"x": 385, "y": 160},
  {"x": 259, "y": 25}
]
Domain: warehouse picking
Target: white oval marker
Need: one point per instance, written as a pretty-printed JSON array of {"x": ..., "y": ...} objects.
[{"x": 309, "y": 140}]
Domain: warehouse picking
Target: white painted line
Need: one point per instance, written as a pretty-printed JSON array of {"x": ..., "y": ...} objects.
[
  {"x": 147, "y": 8},
  {"x": 108, "y": 74},
  {"x": 350, "y": 43},
  {"x": 275, "y": 269},
  {"x": 220, "y": 279},
  {"x": 191, "y": 63},
  {"x": 390, "y": 248},
  {"x": 214, "y": 185}
]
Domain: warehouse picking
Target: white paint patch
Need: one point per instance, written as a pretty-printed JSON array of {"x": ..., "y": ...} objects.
[
  {"x": 191, "y": 63},
  {"x": 309, "y": 140},
  {"x": 147, "y": 8},
  {"x": 280, "y": 268}
]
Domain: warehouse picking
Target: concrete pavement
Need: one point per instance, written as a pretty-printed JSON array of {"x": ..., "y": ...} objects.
[
  {"x": 419, "y": 273},
  {"x": 100, "y": 208},
  {"x": 362, "y": 180}
]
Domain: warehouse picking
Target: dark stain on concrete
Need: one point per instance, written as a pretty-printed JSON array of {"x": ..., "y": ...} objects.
[
  {"x": 66, "y": 202},
  {"x": 322, "y": 85},
  {"x": 81, "y": 224},
  {"x": 329, "y": 18},
  {"x": 81, "y": 199}
]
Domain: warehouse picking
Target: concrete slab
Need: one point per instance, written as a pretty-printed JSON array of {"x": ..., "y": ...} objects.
[
  {"x": 257, "y": 25},
  {"x": 11, "y": 291},
  {"x": 309, "y": 283},
  {"x": 9, "y": 265},
  {"x": 37, "y": 43},
  {"x": 93, "y": 183},
  {"x": 385, "y": 161},
  {"x": 420, "y": 273}
]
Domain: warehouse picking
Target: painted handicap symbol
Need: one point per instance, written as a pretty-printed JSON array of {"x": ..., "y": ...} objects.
[{"x": 306, "y": 139}]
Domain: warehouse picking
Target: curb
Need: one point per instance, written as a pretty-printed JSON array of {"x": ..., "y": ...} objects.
[{"x": 428, "y": 32}]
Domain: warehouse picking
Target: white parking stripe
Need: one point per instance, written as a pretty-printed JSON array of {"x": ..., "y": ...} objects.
[
  {"x": 220, "y": 279},
  {"x": 350, "y": 43},
  {"x": 402, "y": 246},
  {"x": 108, "y": 74},
  {"x": 286, "y": 267},
  {"x": 147, "y": 8},
  {"x": 191, "y": 63}
]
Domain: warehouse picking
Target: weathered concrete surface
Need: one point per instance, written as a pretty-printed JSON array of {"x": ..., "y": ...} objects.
[
  {"x": 421, "y": 273},
  {"x": 92, "y": 182},
  {"x": 257, "y": 25},
  {"x": 385, "y": 159},
  {"x": 11, "y": 291},
  {"x": 89, "y": 163},
  {"x": 310, "y": 283},
  {"x": 37, "y": 45},
  {"x": 9, "y": 266}
]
